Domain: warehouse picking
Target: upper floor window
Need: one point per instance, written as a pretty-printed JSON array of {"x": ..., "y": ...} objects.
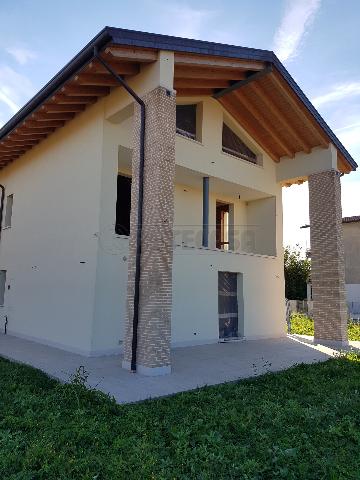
[
  {"x": 186, "y": 120},
  {"x": 123, "y": 205},
  {"x": 8, "y": 211},
  {"x": 233, "y": 145}
]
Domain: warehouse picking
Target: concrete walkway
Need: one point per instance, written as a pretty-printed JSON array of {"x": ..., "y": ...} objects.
[{"x": 192, "y": 366}]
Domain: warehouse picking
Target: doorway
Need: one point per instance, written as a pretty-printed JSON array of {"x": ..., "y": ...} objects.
[{"x": 228, "y": 304}]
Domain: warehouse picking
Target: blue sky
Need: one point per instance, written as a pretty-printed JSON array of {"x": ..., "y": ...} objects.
[{"x": 318, "y": 41}]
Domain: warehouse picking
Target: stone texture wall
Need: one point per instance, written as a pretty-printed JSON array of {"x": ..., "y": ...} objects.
[
  {"x": 327, "y": 256},
  {"x": 153, "y": 350}
]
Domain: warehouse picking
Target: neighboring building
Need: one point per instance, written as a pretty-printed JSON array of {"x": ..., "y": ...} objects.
[
  {"x": 351, "y": 231},
  {"x": 225, "y": 128}
]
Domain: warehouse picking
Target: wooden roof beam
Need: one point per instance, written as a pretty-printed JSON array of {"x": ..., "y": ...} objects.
[
  {"x": 85, "y": 90},
  {"x": 29, "y": 131},
  {"x": 49, "y": 117},
  {"x": 20, "y": 143},
  {"x": 245, "y": 123},
  {"x": 40, "y": 124},
  {"x": 264, "y": 123},
  {"x": 119, "y": 68},
  {"x": 271, "y": 106},
  {"x": 53, "y": 107},
  {"x": 194, "y": 92},
  {"x": 301, "y": 111},
  {"x": 33, "y": 136},
  {"x": 192, "y": 60},
  {"x": 97, "y": 79},
  {"x": 129, "y": 54},
  {"x": 204, "y": 83},
  {"x": 208, "y": 73},
  {"x": 241, "y": 83},
  {"x": 64, "y": 99}
]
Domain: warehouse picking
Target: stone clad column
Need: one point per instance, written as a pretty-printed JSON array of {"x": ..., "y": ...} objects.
[
  {"x": 153, "y": 351},
  {"x": 327, "y": 257}
]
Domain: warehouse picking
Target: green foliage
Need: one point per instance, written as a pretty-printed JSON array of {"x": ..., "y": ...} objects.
[
  {"x": 303, "y": 325},
  {"x": 354, "y": 331},
  {"x": 297, "y": 272},
  {"x": 302, "y": 423}
]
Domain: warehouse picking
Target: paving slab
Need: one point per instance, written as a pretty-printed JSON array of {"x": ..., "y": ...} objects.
[{"x": 192, "y": 367}]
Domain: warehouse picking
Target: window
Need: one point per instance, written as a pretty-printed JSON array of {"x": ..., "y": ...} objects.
[
  {"x": 2, "y": 286},
  {"x": 186, "y": 120},
  {"x": 123, "y": 205},
  {"x": 222, "y": 225},
  {"x": 8, "y": 211},
  {"x": 233, "y": 145}
]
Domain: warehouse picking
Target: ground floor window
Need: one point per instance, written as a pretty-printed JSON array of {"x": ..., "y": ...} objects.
[
  {"x": 2, "y": 286},
  {"x": 123, "y": 205}
]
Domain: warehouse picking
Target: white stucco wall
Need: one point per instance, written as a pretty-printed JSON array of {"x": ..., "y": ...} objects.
[
  {"x": 353, "y": 292},
  {"x": 50, "y": 250},
  {"x": 64, "y": 213}
]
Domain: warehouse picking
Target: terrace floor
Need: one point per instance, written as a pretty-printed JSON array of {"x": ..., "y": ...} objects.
[{"x": 192, "y": 367}]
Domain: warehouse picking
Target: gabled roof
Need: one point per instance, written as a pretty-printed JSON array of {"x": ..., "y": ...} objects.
[{"x": 267, "y": 102}]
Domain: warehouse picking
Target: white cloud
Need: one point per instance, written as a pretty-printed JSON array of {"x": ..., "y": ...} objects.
[
  {"x": 337, "y": 93},
  {"x": 184, "y": 21},
  {"x": 298, "y": 17},
  {"x": 14, "y": 107},
  {"x": 22, "y": 55},
  {"x": 15, "y": 89}
]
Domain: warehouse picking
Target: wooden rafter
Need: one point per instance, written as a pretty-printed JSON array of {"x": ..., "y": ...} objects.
[
  {"x": 53, "y": 107},
  {"x": 64, "y": 99},
  {"x": 29, "y": 131},
  {"x": 49, "y": 117},
  {"x": 26, "y": 138},
  {"x": 286, "y": 124},
  {"x": 194, "y": 92},
  {"x": 49, "y": 123},
  {"x": 203, "y": 83},
  {"x": 129, "y": 54},
  {"x": 193, "y": 60},
  {"x": 208, "y": 73},
  {"x": 119, "y": 68},
  {"x": 263, "y": 122},
  {"x": 98, "y": 79},
  {"x": 244, "y": 122},
  {"x": 300, "y": 110},
  {"x": 241, "y": 83},
  {"x": 86, "y": 90}
]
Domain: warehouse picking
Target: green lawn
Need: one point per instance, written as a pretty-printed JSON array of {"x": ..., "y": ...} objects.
[
  {"x": 303, "y": 423},
  {"x": 303, "y": 325}
]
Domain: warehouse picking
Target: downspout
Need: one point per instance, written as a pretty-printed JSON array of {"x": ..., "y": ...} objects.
[
  {"x": 135, "y": 321},
  {"x": 2, "y": 206}
]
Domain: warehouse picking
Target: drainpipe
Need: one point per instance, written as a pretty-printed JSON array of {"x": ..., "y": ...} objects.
[
  {"x": 135, "y": 321},
  {"x": 2, "y": 206}
]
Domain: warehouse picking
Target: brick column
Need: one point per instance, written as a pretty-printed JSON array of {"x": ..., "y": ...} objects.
[
  {"x": 153, "y": 351},
  {"x": 327, "y": 257}
]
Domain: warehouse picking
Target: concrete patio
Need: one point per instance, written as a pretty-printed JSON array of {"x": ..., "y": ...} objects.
[{"x": 192, "y": 366}]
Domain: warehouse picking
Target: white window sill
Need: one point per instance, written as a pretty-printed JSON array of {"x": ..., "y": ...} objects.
[{"x": 193, "y": 140}]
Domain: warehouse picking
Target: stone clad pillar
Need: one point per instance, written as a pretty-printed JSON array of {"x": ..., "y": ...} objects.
[
  {"x": 327, "y": 257},
  {"x": 153, "y": 351}
]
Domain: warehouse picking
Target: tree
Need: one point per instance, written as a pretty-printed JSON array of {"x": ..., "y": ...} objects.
[{"x": 297, "y": 273}]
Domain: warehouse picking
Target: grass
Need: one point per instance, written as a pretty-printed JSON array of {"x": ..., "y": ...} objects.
[
  {"x": 302, "y": 423},
  {"x": 303, "y": 325}
]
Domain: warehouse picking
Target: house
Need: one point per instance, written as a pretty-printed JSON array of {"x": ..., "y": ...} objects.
[
  {"x": 351, "y": 233},
  {"x": 143, "y": 206}
]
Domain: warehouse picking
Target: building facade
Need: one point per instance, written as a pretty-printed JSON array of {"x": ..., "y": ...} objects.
[
  {"x": 224, "y": 132},
  {"x": 351, "y": 231}
]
